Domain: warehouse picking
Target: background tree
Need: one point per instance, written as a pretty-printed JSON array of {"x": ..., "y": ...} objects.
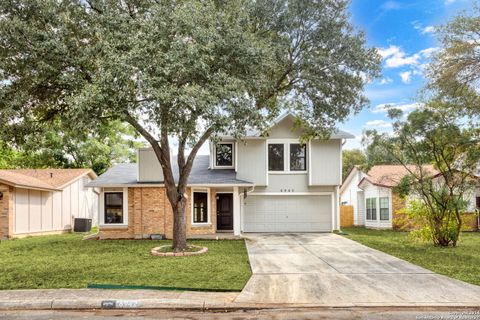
[
  {"x": 455, "y": 70},
  {"x": 55, "y": 146},
  {"x": 375, "y": 152},
  {"x": 184, "y": 70},
  {"x": 351, "y": 158},
  {"x": 434, "y": 136}
]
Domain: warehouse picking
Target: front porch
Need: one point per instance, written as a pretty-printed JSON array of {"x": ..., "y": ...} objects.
[{"x": 140, "y": 212}]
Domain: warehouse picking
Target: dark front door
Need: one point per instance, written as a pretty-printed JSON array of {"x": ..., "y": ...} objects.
[{"x": 224, "y": 211}]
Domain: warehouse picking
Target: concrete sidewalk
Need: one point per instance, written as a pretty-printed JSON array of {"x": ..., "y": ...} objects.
[
  {"x": 44, "y": 299},
  {"x": 90, "y": 299}
]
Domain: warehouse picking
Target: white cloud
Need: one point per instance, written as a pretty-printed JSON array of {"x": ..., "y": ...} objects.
[
  {"x": 406, "y": 76},
  {"x": 447, "y": 2},
  {"x": 386, "y": 80},
  {"x": 428, "y": 29},
  {"x": 423, "y": 30},
  {"x": 387, "y": 52},
  {"x": 395, "y": 57},
  {"x": 377, "y": 124},
  {"x": 405, "y": 107}
]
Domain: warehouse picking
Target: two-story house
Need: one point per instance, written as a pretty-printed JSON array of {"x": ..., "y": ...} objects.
[{"x": 260, "y": 183}]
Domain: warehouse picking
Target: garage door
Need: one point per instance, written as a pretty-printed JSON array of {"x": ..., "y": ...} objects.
[{"x": 287, "y": 213}]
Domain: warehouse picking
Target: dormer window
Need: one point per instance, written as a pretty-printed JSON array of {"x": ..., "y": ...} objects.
[{"x": 224, "y": 155}]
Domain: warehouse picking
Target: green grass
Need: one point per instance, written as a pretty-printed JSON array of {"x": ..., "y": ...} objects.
[
  {"x": 67, "y": 261},
  {"x": 462, "y": 262}
]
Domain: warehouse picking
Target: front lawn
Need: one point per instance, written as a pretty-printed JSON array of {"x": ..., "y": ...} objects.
[
  {"x": 66, "y": 261},
  {"x": 462, "y": 262}
]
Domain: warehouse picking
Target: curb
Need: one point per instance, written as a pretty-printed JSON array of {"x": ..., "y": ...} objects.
[{"x": 181, "y": 304}]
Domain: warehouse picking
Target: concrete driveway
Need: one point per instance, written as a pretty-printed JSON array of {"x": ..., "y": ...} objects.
[{"x": 327, "y": 269}]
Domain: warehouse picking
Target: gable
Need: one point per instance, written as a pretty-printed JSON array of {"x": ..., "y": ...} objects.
[{"x": 285, "y": 129}]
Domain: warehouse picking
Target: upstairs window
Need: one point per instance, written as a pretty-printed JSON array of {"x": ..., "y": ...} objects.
[
  {"x": 298, "y": 157},
  {"x": 224, "y": 155},
  {"x": 384, "y": 208},
  {"x": 114, "y": 208},
  {"x": 287, "y": 157},
  {"x": 276, "y": 157}
]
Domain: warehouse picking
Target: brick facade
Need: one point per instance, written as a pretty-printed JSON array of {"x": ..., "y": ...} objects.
[
  {"x": 149, "y": 212},
  {"x": 6, "y": 211}
]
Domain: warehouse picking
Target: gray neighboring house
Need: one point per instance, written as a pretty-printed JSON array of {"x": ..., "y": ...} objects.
[{"x": 257, "y": 184}]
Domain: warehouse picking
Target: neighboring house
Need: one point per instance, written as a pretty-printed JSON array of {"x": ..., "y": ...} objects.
[
  {"x": 257, "y": 184},
  {"x": 42, "y": 201},
  {"x": 376, "y": 204},
  {"x": 351, "y": 194}
]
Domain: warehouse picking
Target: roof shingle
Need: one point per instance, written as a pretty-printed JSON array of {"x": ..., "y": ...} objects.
[
  {"x": 390, "y": 175},
  {"x": 49, "y": 179},
  {"x": 126, "y": 174}
]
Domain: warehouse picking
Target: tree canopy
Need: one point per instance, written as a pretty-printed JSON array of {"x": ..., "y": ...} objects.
[
  {"x": 180, "y": 69},
  {"x": 454, "y": 73},
  {"x": 434, "y": 136},
  {"x": 55, "y": 146},
  {"x": 351, "y": 158}
]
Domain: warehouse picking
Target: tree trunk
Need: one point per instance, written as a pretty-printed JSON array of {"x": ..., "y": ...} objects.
[{"x": 179, "y": 226}]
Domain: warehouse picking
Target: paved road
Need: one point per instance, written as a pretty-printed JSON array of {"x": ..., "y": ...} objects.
[
  {"x": 327, "y": 269},
  {"x": 280, "y": 314}
]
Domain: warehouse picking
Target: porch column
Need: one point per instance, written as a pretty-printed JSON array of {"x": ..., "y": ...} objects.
[{"x": 236, "y": 212}]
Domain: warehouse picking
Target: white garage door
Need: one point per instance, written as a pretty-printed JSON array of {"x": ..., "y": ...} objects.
[{"x": 287, "y": 213}]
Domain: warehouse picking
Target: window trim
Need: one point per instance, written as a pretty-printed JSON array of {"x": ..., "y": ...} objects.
[
  {"x": 268, "y": 157},
  {"x": 233, "y": 156},
  {"x": 290, "y": 157},
  {"x": 286, "y": 156},
  {"x": 373, "y": 200},
  {"x": 102, "y": 222},
  {"x": 380, "y": 208},
  {"x": 209, "y": 207}
]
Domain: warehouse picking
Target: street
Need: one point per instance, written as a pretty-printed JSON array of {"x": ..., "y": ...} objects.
[{"x": 280, "y": 314}]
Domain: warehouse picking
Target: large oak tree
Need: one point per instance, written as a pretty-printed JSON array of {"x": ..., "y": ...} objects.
[{"x": 183, "y": 70}]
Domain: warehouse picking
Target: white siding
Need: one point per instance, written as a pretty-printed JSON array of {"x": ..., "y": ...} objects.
[
  {"x": 47, "y": 211},
  {"x": 252, "y": 161},
  {"x": 35, "y": 212},
  {"x": 352, "y": 195},
  {"x": 57, "y": 207},
  {"x": 326, "y": 162},
  {"x": 285, "y": 129},
  {"x": 149, "y": 169},
  {"x": 22, "y": 211},
  {"x": 372, "y": 191},
  {"x": 359, "y": 209},
  {"x": 66, "y": 209}
]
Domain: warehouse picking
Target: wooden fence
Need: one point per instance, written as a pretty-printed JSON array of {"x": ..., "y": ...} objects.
[{"x": 346, "y": 216}]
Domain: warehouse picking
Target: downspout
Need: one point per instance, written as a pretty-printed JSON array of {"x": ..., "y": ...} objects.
[{"x": 242, "y": 205}]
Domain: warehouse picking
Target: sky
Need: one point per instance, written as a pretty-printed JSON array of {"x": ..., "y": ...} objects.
[{"x": 403, "y": 32}]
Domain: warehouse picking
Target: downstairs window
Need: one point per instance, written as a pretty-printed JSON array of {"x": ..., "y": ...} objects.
[
  {"x": 200, "y": 207},
  {"x": 114, "y": 208}
]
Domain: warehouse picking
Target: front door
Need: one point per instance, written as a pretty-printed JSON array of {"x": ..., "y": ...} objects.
[{"x": 224, "y": 211}]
